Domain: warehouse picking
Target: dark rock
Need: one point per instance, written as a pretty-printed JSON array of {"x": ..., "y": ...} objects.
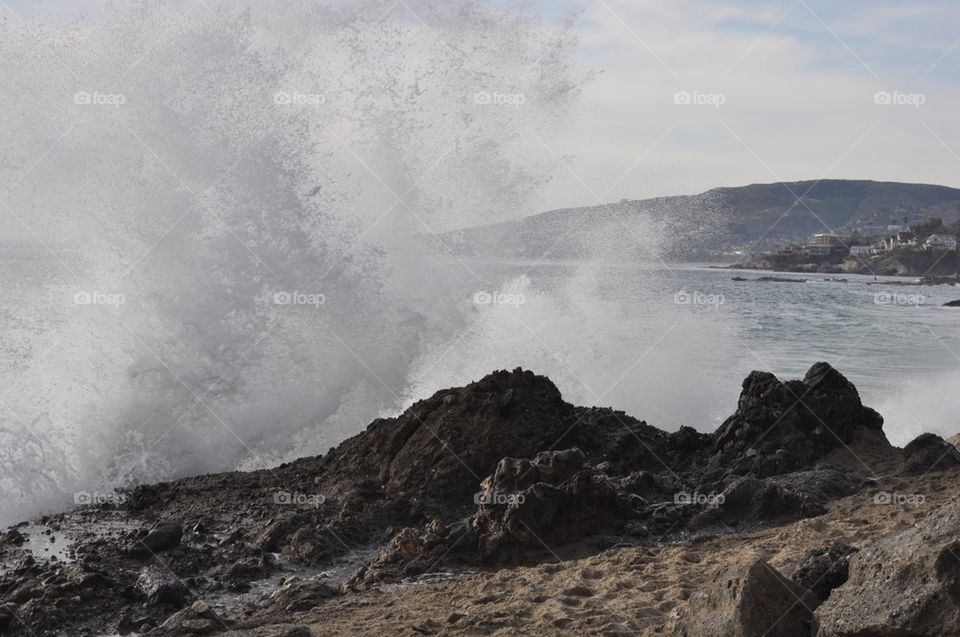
[
  {"x": 163, "y": 537},
  {"x": 952, "y": 303},
  {"x": 439, "y": 447},
  {"x": 7, "y": 617},
  {"x": 904, "y": 585},
  {"x": 750, "y": 599},
  {"x": 197, "y": 619},
  {"x": 551, "y": 499},
  {"x": 299, "y": 595},
  {"x": 821, "y": 484},
  {"x": 748, "y": 502},
  {"x": 13, "y": 537},
  {"x": 160, "y": 586},
  {"x": 781, "y": 427},
  {"x": 823, "y": 570},
  {"x": 27, "y": 590},
  {"x": 929, "y": 452},
  {"x": 412, "y": 552}
]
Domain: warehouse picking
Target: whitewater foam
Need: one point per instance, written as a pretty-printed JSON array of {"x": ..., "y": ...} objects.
[{"x": 212, "y": 163}]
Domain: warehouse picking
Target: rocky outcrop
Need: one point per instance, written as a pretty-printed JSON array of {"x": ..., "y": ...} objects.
[
  {"x": 749, "y": 502},
  {"x": 749, "y": 600},
  {"x": 781, "y": 427},
  {"x": 551, "y": 499},
  {"x": 929, "y": 452},
  {"x": 821, "y": 484},
  {"x": 499, "y": 472},
  {"x": 904, "y": 585},
  {"x": 410, "y": 553},
  {"x": 439, "y": 449},
  {"x": 629, "y": 479}
]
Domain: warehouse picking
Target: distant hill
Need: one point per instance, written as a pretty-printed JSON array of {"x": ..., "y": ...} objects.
[{"x": 717, "y": 220}]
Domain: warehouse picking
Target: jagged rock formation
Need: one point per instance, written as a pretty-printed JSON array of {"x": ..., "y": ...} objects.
[
  {"x": 786, "y": 426},
  {"x": 500, "y": 472}
]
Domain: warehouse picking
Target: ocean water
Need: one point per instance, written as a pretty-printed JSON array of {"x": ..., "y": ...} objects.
[
  {"x": 671, "y": 343},
  {"x": 668, "y": 343}
]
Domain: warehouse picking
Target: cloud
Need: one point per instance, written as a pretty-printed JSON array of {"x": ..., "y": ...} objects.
[{"x": 797, "y": 81}]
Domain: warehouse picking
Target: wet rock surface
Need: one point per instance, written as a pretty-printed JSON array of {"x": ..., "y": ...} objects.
[
  {"x": 164, "y": 536},
  {"x": 499, "y": 473}
]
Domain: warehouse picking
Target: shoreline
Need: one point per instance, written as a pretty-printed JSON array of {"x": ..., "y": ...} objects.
[
  {"x": 923, "y": 280},
  {"x": 498, "y": 481}
]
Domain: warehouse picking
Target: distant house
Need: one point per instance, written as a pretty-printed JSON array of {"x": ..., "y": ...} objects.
[
  {"x": 791, "y": 250},
  {"x": 819, "y": 251},
  {"x": 829, "y": 239},
  {"x": 902, "y": 239},
  {"x": 940, "y": 242},
  {"x": 825, "y": 244},
  {"x": 906, "y": 238},
  {"x": 860, "y": 251}
]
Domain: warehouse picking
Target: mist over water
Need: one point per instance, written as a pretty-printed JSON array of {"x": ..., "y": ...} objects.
[{"x": 237, "y": 198}]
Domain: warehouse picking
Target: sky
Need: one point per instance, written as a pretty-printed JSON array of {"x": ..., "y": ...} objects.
[
  {"x": 687, "y": 95},
  {"x": 782, "y": 90}
]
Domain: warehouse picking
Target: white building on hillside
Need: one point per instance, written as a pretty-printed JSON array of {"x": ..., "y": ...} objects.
[{"x": 940, "y": 242}]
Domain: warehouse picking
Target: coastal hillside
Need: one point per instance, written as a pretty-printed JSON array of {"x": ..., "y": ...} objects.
[{"x": 715, "y": 221}]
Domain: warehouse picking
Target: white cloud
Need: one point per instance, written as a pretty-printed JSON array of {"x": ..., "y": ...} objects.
[{"x": 796, "y": 96}]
